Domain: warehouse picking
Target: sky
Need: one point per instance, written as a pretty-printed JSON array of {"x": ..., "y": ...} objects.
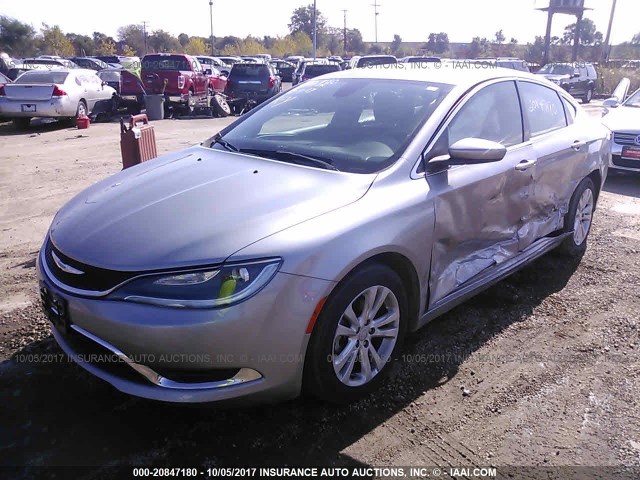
[{"x": 413, "y": 20}]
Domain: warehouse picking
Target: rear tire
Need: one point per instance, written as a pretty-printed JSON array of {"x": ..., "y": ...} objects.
[
  {"x": 578, "y": 219},
  {"x": 21, "y": 123},
  {"x": 352, "y": 346},
  {"x": 220, "y": 106},
  {"x": 81, "y": 110},
  {"x": 588, "y": 96}
]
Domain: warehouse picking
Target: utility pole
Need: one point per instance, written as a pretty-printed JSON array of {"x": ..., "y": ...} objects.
[
  {"x": 345, "y": 32},
  {"x": 211, "y": 18},
  {"x": 315, "y": 34},
  {"x": 375, "y": 6},
  {"x": 607, "y": 46},
  {"x": 144, "y": 34}
]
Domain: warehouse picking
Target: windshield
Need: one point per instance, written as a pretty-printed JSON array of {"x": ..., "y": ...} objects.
[
  {"x": 633, "y": 100},
  {"x": 557, "y": 69},
  {"x": 42, "y": 77},
  {"x": 357, "y": 125}
]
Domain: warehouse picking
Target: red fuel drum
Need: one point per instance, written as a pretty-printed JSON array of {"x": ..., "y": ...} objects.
[
  {"x": 137, "y": 141},
  {"x": 83, "y": 122}
]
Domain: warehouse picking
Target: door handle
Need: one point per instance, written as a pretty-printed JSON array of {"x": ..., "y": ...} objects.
[
  {"x": 577, "y": 145},
  {"x": 525, "y": 165}
]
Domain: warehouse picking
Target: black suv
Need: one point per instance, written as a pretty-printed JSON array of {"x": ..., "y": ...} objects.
[
  {"x": 579, "y": 79},
  {"x": 254, "y": 82}
]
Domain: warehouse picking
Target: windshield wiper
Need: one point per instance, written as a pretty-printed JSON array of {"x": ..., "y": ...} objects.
[
  {"x": 301, "y": 158},
  {"x": 218, "y": 139}
]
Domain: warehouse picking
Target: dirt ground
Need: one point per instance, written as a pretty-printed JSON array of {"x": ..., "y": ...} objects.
[{"x": 541, "y": 370}]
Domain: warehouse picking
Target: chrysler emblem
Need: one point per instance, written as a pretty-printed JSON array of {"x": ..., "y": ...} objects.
[{"x": 64, "y": 267}]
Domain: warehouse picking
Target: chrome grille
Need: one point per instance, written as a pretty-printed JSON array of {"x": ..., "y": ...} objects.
[{"x": 626, "y": 138}]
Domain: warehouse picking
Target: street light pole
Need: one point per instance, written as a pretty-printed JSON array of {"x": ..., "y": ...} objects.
[
  {"x": 315, "y": 35},
  {"x": 211, "y": 17}
]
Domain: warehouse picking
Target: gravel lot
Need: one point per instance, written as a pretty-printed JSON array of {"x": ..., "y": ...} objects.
[{"x": 543, "y": 369}]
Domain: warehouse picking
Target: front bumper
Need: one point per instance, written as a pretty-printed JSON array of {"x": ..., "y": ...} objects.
[
  {"x": 619, "y": 163},
  {"x": 254, "y": 349}
]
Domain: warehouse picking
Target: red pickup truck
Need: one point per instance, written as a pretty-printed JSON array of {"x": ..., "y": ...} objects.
[{"x": 179, "y": 77}]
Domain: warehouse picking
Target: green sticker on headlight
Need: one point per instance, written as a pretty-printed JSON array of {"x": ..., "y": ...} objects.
[{"x": 227, "y": 288}]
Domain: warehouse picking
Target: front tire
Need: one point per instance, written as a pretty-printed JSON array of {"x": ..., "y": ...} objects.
[
  {"x": 588, "y": 96},
  {"x": 579, "y": 218},
  {"x": 357, "y": 336}
]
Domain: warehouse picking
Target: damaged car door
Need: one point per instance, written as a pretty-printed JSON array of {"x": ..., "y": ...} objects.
[
  {"x": 561, "y": 149},
  {"x": 481, "y": 209}
]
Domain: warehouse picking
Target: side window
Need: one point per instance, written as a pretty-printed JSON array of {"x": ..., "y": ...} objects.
[
  {"x": 493, "y": 113},
  {"x": 570, "y": 111},
  {"x": 543, "y": 108}
]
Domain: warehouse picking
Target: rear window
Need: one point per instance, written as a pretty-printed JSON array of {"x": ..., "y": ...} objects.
[
  {"x": 368, "y": 62},
  {"x": 249, "y": 70},
  {"x": 110, "y": 76},
  {"x": 320, "y": 69},
  {"x": 166, "y": 62},
  {"x": 42, "y": 77}
]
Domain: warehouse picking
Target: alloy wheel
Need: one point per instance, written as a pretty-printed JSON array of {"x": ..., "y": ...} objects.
[
  {"x": 365, "y": 336},
  {"x": 582, "y": 220}
]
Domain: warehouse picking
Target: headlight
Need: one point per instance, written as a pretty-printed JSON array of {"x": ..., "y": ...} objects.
[{"x": 206, "y": 288}]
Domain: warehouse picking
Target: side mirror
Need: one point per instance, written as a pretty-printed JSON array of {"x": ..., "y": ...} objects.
[
  {"x": 470, "y": 151},
  {"x": 610, "y": 102}
]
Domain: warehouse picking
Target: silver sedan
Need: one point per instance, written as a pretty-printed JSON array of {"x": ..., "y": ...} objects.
[
  {"x": 297, "y": 248},
  {"x": 56, "y": 93}
]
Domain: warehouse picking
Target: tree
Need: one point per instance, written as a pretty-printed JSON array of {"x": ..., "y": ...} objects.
[
  {"x": 17, "y": 38},
  {"x": 500, "y": 38},
  {"x": 302, "y": 21},
  {"x": 161, "y": 41},
  {"x": 283, "y": 47},
  {"x": 396, "y": 43},
  {"x": 268, "y": 42},
  {"x": 479, "y": 47},
  {"x": 535, "y": 51},
  {"x": 221, "y": 43},
  {"x": 438, "y": 43},
  {"x": 82, "y": 44},
  {"x": 183, "y": 38},
  {"x": 133, "y": 36},
  {"x": 636, "y": 39},
  {"x": 355, "y": 43},
  {"x": 195, "y": 46},
  {"x": 54, "y": 42},
  {"x": 127, "y": 51},
  {"x": 588, "y": 33},
  {"x": 304, "y": 45},
  {"x": 106, "y": 47}
]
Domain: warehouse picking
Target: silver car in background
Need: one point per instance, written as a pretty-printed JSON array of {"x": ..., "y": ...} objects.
[
  {"x": 294, "y": 250},
  {"x": 59, "y": 93},
  {"x": 624, "y": 121}
]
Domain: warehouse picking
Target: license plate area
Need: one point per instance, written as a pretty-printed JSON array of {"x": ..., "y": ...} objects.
[
  {"x": 55, "y": 307},
  {"x": 28, "y": 108},
  {"x": 631, "y": 153}
]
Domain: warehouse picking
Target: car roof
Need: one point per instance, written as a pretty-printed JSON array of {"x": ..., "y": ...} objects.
[{"x": 447, "y": 73}]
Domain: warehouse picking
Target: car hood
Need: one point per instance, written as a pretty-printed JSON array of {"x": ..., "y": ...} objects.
[
  {"x": 196, "y": 206},
  {"x": 626, "y": 119}
]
